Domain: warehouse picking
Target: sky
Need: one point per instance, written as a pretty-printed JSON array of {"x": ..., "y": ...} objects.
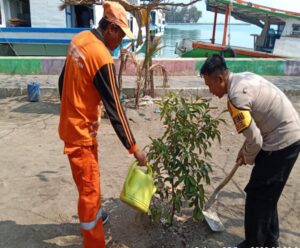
[{"x": 207, "y": 16}]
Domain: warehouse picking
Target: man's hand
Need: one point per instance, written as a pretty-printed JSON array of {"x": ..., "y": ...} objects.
[
  {"x": 141, "y": 156},
  {"x": 93, "y": 128},
  {"x": 240, "y": 160}
]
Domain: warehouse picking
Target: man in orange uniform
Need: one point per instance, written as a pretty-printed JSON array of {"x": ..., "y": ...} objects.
[{"x": 88, "y": 78}]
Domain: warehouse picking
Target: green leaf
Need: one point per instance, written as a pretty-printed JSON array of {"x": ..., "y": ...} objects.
[
  {"x": 192, "y": 181},
  {"x": 179, "y": 155},
  {"x": 197, "y": 214}
]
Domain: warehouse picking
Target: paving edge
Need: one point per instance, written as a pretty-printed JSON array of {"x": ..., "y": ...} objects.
[
  {"x": 52, "y": 92},
  {"x": 174, "y": 66}
]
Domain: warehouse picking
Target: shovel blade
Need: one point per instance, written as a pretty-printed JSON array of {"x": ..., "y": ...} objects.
[{"x": 213, "y": 221}]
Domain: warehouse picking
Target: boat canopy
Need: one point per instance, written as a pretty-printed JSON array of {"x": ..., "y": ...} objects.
[{"x": 251, "y": 13}]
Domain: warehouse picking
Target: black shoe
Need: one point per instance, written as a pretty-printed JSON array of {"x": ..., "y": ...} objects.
[
  {"x": 105, "y": 217},
  {"x": 272, "y": 244},
  {"x": 242, "y": 245}
]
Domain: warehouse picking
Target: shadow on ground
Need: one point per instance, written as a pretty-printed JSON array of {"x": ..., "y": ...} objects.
[
  {"x": 41, "y": 107},
  {"x": 13, "y": 235},
  {"x": 126, "y": 228}
]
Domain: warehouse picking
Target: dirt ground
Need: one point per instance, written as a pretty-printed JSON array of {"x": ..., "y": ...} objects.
[{"x": 38, "y": 197}]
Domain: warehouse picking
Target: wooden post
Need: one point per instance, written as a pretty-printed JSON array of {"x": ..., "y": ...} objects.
[
  {"x": 215, "y": 24},
  {"x": 225, "y": 25}
]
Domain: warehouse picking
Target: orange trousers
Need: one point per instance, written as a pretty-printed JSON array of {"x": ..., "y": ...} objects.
[{"x": 85, "y": 170}]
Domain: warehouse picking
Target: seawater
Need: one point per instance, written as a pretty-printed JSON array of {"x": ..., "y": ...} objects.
[{"x": 240, "y": 35}]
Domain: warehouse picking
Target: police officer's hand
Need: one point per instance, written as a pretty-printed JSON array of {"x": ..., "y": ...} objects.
[
  {"x": 141, "y": 156},
  {"x": 240, "y": 160}
]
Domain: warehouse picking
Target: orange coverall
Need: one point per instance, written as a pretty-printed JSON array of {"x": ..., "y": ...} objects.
[{"x": 88, "y": 78}]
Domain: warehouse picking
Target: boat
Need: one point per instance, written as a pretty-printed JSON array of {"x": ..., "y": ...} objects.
[
  {"x": 39, "y": 28},
  {"x": 157, "y": 28},
  {"x": 279, "y": 37},
  {"x": 158, "y": 23}
]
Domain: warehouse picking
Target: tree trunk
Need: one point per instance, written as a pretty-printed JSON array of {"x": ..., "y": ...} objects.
[
  {"x": 151, "y": 79},
  {"x": 147, "y": 54},
  {"x": 120, "y": 81},
  {"x": 173, "y": 204}
]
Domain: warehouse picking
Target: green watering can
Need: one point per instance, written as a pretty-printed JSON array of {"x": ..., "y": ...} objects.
[{"x": 138, "y": 188}]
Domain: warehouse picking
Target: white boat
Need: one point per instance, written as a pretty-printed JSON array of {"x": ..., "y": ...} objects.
[{"x": 39, "y": 28}]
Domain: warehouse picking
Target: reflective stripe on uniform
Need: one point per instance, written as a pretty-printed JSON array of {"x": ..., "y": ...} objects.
[{"x": 90, "y": 225}]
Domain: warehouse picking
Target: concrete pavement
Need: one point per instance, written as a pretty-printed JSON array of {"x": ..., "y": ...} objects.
[
  {"x": 38, "y": 197},
  {"x": 16, "y": 85}
]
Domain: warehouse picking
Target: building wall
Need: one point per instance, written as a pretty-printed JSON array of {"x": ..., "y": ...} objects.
[
  {"x": 2, "y": 20},
  {"x": 174, "y": 67},
  {"x": 47, "y": 14},
  {"x": 98, "y": 13}
]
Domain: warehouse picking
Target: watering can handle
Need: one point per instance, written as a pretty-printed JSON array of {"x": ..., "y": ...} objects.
[
  {"x": 212, "y": 198},
  {"x": 134, "y": 165},
  {"x": 149, "y": 170},
  {"x": 130, "y": 171}
]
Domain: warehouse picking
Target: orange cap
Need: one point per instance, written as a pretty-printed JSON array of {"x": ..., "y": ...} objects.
[{"x": 115, "y": 13}]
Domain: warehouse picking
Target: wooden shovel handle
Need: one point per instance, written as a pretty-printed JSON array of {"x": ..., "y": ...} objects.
[{"x": 212, "y": 198}]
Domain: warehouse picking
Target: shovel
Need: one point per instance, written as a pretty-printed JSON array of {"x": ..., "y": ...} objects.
[{"x": 211, "y": 217}]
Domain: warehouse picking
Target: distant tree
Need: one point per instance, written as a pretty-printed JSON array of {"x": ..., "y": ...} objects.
[
  {"x": 181, "y": 15},
  {"x": 194, "y": 14},
  {"x": 184, "y": 14},
  {"x": 171, "y": 15}
]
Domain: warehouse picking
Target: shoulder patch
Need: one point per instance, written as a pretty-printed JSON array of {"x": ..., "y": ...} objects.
[{"x": 241, "y": 118}]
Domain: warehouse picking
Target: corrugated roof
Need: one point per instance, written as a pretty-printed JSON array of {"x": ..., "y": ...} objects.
[{"x": 250, "y": 12}]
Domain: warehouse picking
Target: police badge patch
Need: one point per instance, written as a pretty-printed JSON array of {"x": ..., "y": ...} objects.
[{"x": 241, "y": 117}]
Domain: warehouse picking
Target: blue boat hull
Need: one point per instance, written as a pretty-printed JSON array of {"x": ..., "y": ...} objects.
[{"x": 22, "y": 41}]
